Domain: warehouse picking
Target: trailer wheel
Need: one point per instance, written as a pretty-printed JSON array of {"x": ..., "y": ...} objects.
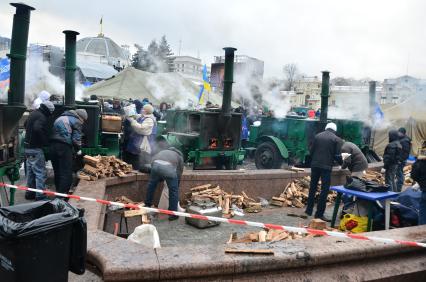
[{"x": 267, "y": 156}]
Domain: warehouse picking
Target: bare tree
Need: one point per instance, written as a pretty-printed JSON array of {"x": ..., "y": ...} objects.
[{"x": 290, "y": 72}]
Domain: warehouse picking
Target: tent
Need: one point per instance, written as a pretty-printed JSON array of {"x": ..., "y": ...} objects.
[
  {"x": 157, "y": 87},
  {"x": 410, "y": 114}
]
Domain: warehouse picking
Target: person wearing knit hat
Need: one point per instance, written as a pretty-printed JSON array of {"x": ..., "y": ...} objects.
[
  {"x": 148, "y": 109},
  {"x": 41, "y": 97},
  {"x": 65, "y": 143},
  {"x": 406, "y": 145},
  {"x": 36, "y": 137},
  {"x": 418, "y": 174},
  {"x": 141, "y": 142},
  {"x": 325, "y": 150},
  {"x": 82, "y": 114}
]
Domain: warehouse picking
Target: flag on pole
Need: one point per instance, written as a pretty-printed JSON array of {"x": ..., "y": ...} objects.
[
  {"x": 378, "y": 114},
  {"x": 101, "y": 21},
  {"x": 204, "y": 87},
  {"x": 4, "y": 78}
]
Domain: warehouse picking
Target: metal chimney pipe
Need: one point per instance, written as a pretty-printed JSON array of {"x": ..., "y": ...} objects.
[
  {"x": 18, "y": 53},
  {"x": 70, "y": 67},
  {"x": 325, "y": 88},
  {"x": 228, "y": 80},
  {"x": 372, "y": 97}
]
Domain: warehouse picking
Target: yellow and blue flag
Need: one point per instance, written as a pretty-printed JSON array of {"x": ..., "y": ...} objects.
[
  {"x": 4, "y": 77},
  {"x": 204, "y": 87}
]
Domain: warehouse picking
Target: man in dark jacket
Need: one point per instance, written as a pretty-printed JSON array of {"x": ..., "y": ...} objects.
[
  {"x": 166, "y": 165},
  {"x": 36, "y": 137},
  {"x": 418, "y": 174},
  {"x": 356, "y": 162},
  {"x": 391, "y": 159},
  {"x": 324, "y": 151},
  {"x": 406, "y": 149},
  {"x": 66, "y": 140}
]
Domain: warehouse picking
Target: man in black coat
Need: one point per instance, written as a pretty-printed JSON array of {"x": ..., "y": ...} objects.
[
  {"x": 324, "y": 151},
  {"x": 391, "y": 159},
  {"x": 418, "y": 173},
  {"x": 36, "y": 137},
  {"x": 406, "y": 149}
]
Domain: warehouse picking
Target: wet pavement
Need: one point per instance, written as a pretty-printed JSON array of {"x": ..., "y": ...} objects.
[{"x": 178, "y": 233}]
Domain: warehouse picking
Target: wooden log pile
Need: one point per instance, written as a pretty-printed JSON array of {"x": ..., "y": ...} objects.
[
  {"x": 375, "y": 176},
  {"x": 296, "y": 194},
  {"x": 224, "y": 199},
  {"x": 407, "y": 175},
  {"x": 380, "y": 178},
  {"x": 272, "y": 235},
  {"x": 103, "y": 166}
]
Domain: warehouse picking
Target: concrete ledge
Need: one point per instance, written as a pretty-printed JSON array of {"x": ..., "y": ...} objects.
[
  {"x": 328, "y": 255},
  {"x": 325, "y": 258}
]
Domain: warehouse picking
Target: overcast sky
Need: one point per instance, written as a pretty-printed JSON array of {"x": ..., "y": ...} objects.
[{"x": 352, "y": 38}]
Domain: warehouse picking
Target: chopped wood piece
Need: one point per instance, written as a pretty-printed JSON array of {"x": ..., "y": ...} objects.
[
  {"x": 249, "y": 251},
  {"x": 317, "y": 223},
  {"x": 227, "y": 203},
  {"x": 254, "y": 237},
  {"x": 131, "y": 213},
  {"x": 293, "y": 168},
  {"x": 145, "y": 219},
  {"x": 201, "y": 187},
  {"x": 84, "y": 176},
  {"x": 91, "y": 160},
  {"x": 262, "y": 236},
  {"x": 280, "y": 236}
]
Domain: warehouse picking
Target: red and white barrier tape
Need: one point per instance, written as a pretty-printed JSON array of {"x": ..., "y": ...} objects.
[{"x": 219, "y": 219}]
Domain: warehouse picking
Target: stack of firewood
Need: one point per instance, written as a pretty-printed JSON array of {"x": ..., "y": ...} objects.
[
  {"x": 272, "y": 235},
  {"x": 103, "y": 166},
  {"x": 224, "y": 199},
  {"x": 296, "y": 194}
]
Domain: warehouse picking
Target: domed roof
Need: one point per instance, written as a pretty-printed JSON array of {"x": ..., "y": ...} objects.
[{"x": 100, "y": 45}]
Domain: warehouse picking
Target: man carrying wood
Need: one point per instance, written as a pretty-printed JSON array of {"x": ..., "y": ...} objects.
[
  {"x": 167, "y": 165},
  {"x": 324, "y": 151}
]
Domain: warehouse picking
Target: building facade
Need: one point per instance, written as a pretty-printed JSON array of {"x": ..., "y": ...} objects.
[
  {"x": 396, "y": 90},
  {"x": 245, "y": 68},
  {"x": 189, "y": 67},
  {"x": 308, "y": 92}
]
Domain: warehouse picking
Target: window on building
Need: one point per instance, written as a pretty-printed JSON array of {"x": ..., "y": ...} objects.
[{"x": 390, "y": 88}]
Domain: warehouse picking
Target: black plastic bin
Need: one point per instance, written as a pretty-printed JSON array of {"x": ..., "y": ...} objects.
[{"x": 42, "y": 241}]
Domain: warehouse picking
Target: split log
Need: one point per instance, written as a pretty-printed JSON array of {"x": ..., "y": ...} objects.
[
  {"x": 262, "y": 236},
  {"x": 249, "y": 251},
  {"x": 318, "y": 224}
]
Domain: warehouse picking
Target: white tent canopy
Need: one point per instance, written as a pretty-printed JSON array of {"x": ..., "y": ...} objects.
[
  {"x": 411, "y": 115},
  {"x": 157, "y": 87}
]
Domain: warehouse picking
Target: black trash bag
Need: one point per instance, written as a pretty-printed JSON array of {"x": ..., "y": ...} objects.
[
  {"x": 32, "y": 218},
  {"x": 63, "y": 231},
  {"x": 362, "y": 185},
  {"x": 355, "y": 183},
  {"x": 376, "y": 187},
  {"x": 78, "y": 245}
]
